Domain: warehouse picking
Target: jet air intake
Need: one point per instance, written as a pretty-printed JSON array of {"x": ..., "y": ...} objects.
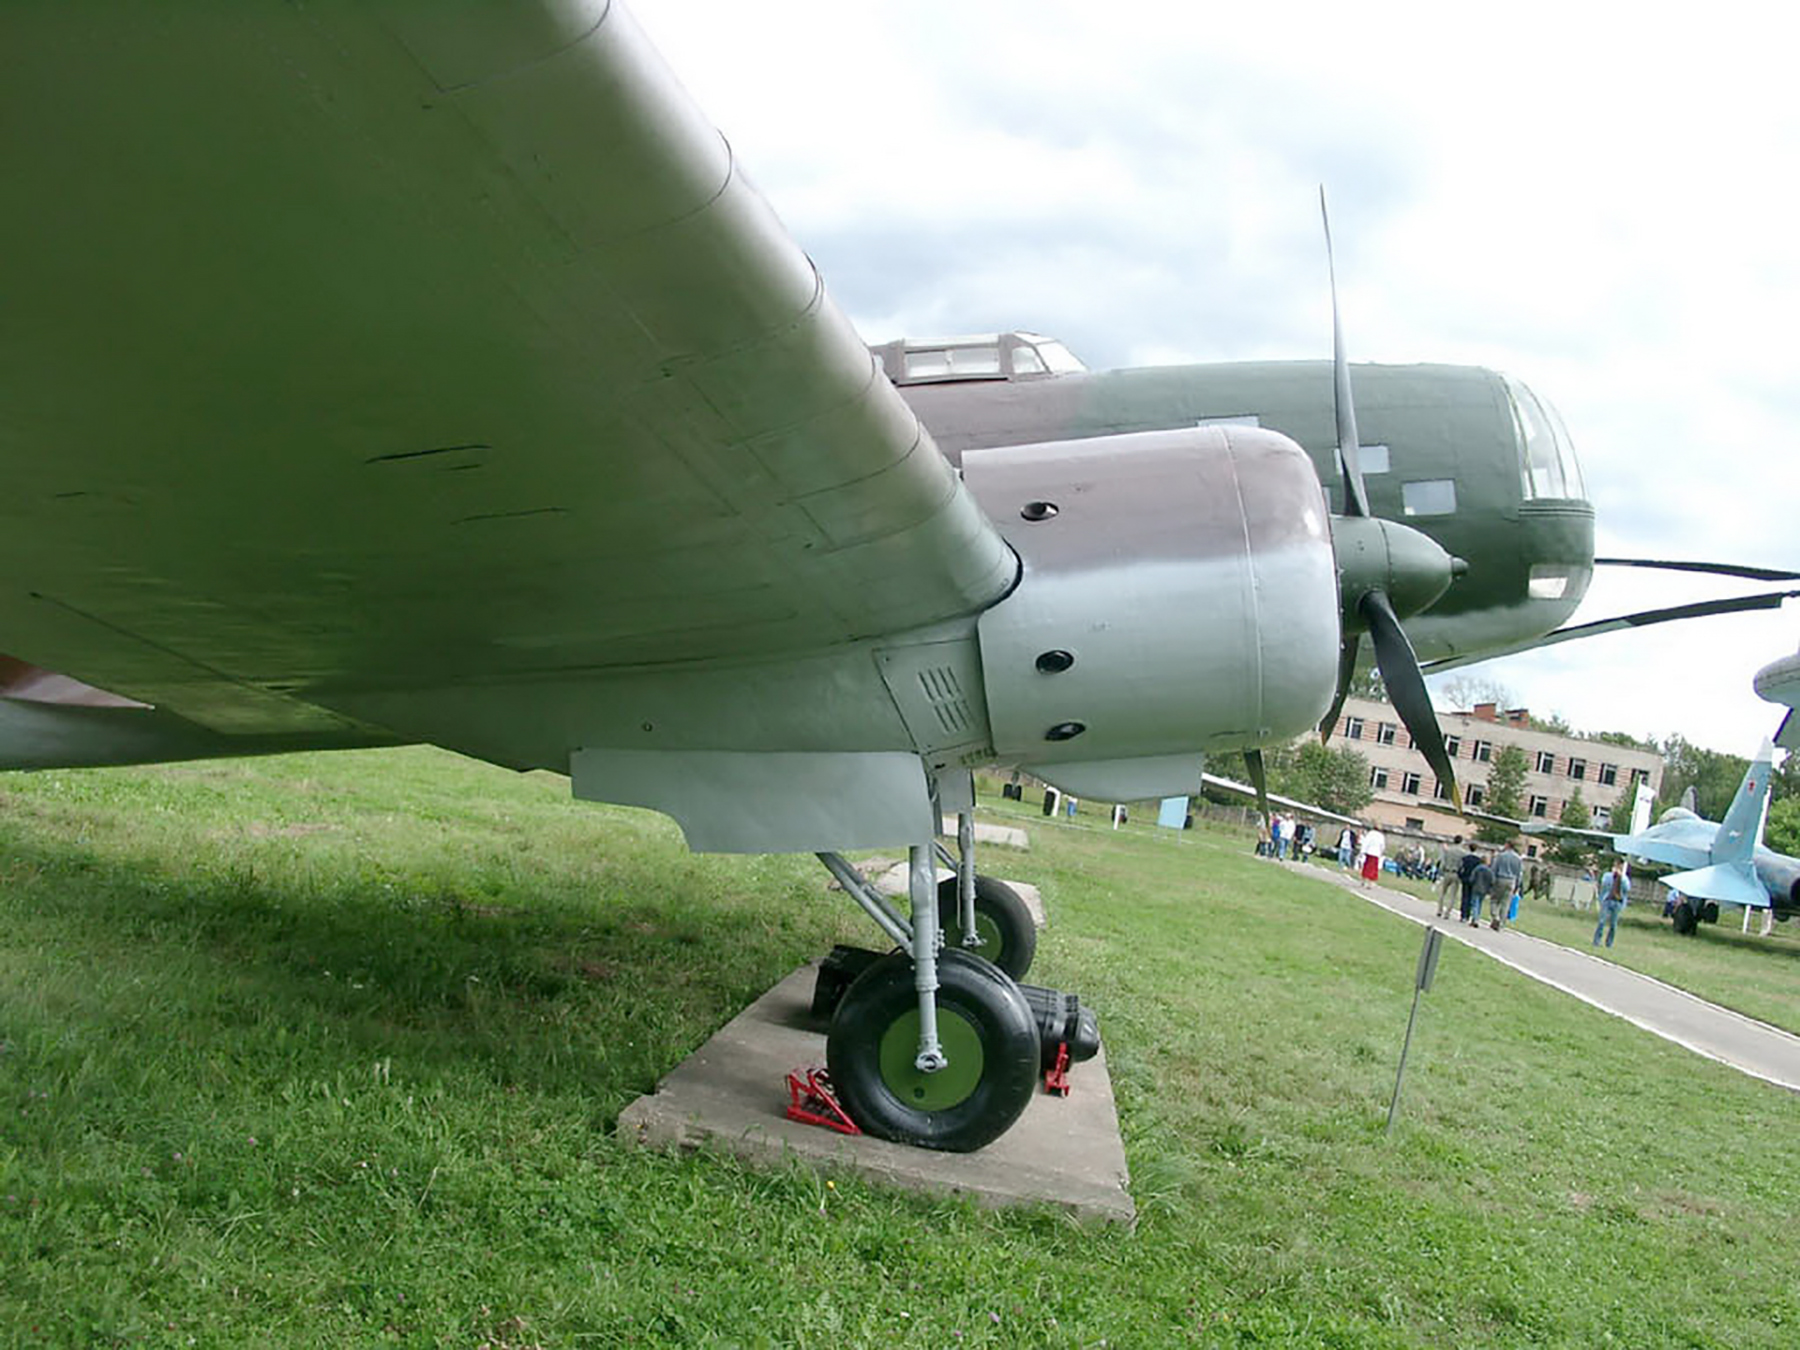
[{"x": 1177, "y": 597}]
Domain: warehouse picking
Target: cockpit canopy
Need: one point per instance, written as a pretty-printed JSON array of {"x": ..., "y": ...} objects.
[
  {"x": 1548, "y": 467},
  {"x": 985, "y": 356}
]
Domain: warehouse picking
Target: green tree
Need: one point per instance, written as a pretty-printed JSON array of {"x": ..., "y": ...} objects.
[
  {"x": 1505, "y": 793},
  {"x": 1576, "y": 816},
  {"x": 1782, "y": 833},
  {"x": 1714, "y": 776},
  {"x": 1334, "y": 778},
  {"x": 1367, "y": 684}
]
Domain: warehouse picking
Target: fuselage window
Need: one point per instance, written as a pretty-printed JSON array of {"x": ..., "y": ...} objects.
[
  {"x": 940, "y": 361},
  {"x": 1372, "y": 458},
  {"x": 1060, "y": 359},
  {"x": 1026, "y": 361},
  {"x": 1429, "y": 497}
]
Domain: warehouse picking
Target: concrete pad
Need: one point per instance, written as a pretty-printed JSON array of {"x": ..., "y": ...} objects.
[
  {"x": 896, "y": 881},
  {"x": 731, "y": 1094},
  {"x": 1008, "y": 836}
]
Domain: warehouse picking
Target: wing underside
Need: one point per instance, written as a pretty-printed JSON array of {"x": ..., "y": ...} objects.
[{"x": 352, "y": 350}]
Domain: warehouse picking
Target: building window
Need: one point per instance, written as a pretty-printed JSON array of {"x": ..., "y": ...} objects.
[
  {"x": 1639, "y": 776},
  {"x": 1477, "y": 794},
  {"x": 1483, "y": 753},
  {"x": 1353, "y": 728},
  {"x": 1432, "y": 497},
  {"x": 1409, "y": 784},
  {"x": 1546, "y": 761},
  {"x": 1578, "y": 768},
  {"x": 1602, "y": 818},
  {"x": 1609, "y": 774},
  {"x": 1378, "y": 778},
  {"x": 1414, "y": 823},
  {"x": 1531, "y": 850},
  {"x": 1540, "y": 807},
  {"x": 1439, "y": 791},
  {"x": 1384, "y": 733},
  {"x": 1453, "y": 746}
]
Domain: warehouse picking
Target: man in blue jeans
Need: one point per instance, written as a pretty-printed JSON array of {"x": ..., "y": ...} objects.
[{"x": 1615, "y": 890}]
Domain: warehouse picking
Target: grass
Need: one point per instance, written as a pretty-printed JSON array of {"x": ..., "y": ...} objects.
[{"x": 327, "y": 1051}]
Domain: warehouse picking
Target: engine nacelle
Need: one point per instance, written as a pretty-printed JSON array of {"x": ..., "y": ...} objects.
[
  {"x": 1178, "y": 597},
  {"x": 1781, "y": 876}
]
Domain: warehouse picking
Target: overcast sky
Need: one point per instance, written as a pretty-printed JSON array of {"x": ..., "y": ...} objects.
[{"x": 1597, "y": 200}]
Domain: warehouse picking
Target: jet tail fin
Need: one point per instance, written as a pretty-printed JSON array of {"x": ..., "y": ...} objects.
[{"x": 1738, "y": 833}]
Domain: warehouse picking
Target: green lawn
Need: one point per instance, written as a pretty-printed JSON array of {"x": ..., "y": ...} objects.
[{"x": 327, "y": 1050}]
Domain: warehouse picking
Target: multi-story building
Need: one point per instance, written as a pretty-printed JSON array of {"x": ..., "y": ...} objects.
[{"x": 1409, "y": 797}]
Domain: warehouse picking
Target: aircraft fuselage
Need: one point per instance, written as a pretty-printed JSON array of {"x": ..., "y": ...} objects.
[{"x": 1461, "y": 453}]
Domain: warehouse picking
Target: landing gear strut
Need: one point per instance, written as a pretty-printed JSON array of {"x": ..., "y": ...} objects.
[{"x": 935, "y": 1045}]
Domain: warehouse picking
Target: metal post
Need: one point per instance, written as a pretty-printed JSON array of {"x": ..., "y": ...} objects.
[
  {"x": 924, "y": 953},
  {"x": 1422, "y": 977}
]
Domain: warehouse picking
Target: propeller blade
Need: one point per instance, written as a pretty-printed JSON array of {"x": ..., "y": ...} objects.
[
  {"x": 1346, "y": 672},
  {"x": 1406, "y": 688},
  {"x": 1642, "y": 619},
  {"x": 1259, "y": 779},
  {"x": 1716, "y": 569},
  {"x": 1356, "y": 496}
]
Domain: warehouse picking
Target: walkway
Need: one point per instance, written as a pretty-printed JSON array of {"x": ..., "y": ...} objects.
[{"x": 1755, "y": 1048}]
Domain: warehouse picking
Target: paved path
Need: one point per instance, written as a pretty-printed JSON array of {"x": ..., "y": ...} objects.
[{"x": 1755, "y": 1048}]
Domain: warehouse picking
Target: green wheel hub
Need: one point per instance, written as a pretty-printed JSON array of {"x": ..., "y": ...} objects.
[
  {"x": 949, "y": 1085},
  {"x": 989, "y": 933}
]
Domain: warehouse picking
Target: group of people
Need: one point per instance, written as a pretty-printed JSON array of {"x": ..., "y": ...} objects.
[
  {"x": 1484, "y": 878},
  {"x": 1285, "y": 837}
]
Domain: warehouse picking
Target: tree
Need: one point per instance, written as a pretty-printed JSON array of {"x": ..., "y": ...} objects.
[
  {"x": 1714, "y": 776},
  {"x": 1576, "y": 816},
  {"x": 1505, "y": 789},
  {"x": 1464, "y": 691},
  {"x": 1367, "y": 684},
  {"x": 1336, "y": 779},
  {"x": 1782, "y": 833}
]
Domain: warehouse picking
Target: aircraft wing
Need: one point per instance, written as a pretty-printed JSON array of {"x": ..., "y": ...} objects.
[
  {"x": 1732, "y": 883},
  {"x": 1653, "y": 849},
  {"x": 352, "y": 351}
]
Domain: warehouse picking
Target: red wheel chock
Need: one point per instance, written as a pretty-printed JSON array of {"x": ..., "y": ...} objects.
[
  {"x": 1056, "y": 1077},
  {"x": 811, "y": 1102}
]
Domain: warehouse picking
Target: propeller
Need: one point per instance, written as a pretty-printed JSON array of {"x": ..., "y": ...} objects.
[
  {"x": 1259, "y": 779},
  {"x": 1716, "y": 569},
  {"x": 1384, "y": 569}
]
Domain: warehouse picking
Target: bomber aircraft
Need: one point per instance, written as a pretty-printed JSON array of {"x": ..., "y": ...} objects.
[{"x": 431, "y": 373}]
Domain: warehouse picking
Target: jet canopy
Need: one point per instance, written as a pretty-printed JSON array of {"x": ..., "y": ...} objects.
[{"x": 985, "y": 356}]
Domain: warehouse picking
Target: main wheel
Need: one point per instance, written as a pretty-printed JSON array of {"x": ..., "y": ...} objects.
[
  {"x": 1683, "y": 918},
  {"x": 1002, "y": 922},
  {"x": 1710, "y": 911},
  {"x": 987, "y": 1032}
]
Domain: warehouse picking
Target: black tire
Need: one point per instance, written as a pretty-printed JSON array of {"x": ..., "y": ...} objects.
[
  {"x": 1710, "y": 911},
  {"x": 988, "y": 1032},
  {"x": 1683, "y": 918},
  {"x": 1009, "y": 937}
]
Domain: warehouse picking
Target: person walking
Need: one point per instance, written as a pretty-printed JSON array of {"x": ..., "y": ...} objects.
[
  {"x": 1449, "y": 885},
  {"x": 1465, "y": 878},
  {"x": 1481, "y": 881},
  {"x": 1509, "y": 874},
  {"x": 1615, "y": 891},
  {"x": 1346, "y": 849},
  {"x": 1374, "y": 844}
]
